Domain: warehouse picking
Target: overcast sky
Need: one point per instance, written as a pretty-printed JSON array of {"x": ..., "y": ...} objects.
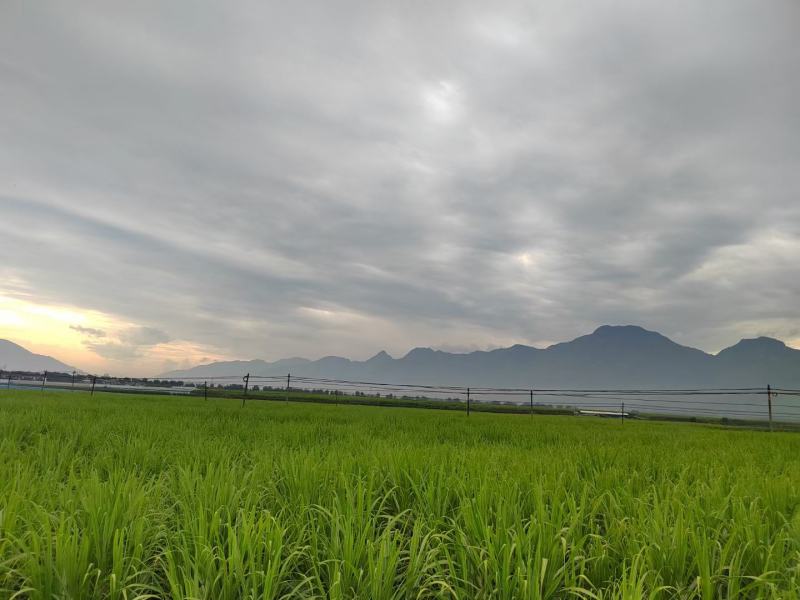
[{"x": 193, "y": 180}]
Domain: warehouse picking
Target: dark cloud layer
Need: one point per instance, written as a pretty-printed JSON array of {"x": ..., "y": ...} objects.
[{"x": 272, "y": 179}]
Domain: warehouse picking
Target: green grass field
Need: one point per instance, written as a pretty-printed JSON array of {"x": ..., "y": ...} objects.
[{"x": 122, "y": 496}]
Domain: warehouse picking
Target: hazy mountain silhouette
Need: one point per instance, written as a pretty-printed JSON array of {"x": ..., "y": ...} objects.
[
  {"x": 614, "y": 356},
  {"x": 758, "y": 360},
  {"x": 14, "y": 357}
]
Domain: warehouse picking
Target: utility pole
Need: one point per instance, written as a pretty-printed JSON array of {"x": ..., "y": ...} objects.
[
  {"x": 288, "y": 384},
  {"x": 769, "y": 405},
  {"x": 205, "y": 390},
  {"x": 94, "y": 381},
  {"x": 44, "y": 380},
  {"x": 246, "y": 380},
  {"x": 467, "y": 401}
]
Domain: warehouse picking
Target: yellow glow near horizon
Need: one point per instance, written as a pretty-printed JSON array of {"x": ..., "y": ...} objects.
[
  {"x": 49, "y": 329},
  {"x": 9, "y": 318},
  {"x": 46, "y": 329}
]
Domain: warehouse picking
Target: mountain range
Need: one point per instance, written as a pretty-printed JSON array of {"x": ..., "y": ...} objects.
[
  {"x": 614, "y": 356},
  {"x": 14, "y": 357}
]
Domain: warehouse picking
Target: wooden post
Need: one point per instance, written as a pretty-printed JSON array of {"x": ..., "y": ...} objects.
[
  {"x": 531, "y": 402},
  {"x": 205, "y": 390},
  {"x": 622, "y": 413},
  {"x": 94, "y": 381},
  {"x": 467, "y": 401},
  {"x": 246, "y": 380},
  {"x": 44, "y": 380},
  {"x": 288, "y": 384},
  {"x": 769, "y": 405}
]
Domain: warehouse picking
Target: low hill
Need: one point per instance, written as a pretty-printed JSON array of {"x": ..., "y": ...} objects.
[{"x": 14, "y": 357}]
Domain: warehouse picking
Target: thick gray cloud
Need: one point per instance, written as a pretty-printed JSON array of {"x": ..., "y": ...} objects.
[{"x": 270, "y": 179}]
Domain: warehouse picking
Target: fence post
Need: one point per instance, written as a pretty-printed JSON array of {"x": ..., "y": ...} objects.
[
  {"x": 205, "y": 390},
  {"x": 44, "y": 380},
  {"x": 94, "y": 381},
  {"x": 288, "y": 384},
  {"x": 622, "y": 413},
  {"x": 769, "y": 405},
  {"x": 246, "y": 380},
  {"x": 467, "y": 401},
  {"x": 531, "y": 402}
]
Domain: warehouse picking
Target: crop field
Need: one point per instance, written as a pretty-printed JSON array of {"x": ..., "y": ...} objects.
[{"x": 120, "y": 496}]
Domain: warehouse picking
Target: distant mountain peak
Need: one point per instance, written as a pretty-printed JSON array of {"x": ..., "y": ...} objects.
[
  {"x": 763, "y": 341},
  {"x": 515, "y": 350},
  {"x": 623, "y": 330},
  {"x": 333, "y": 358},
  {"x": 420, "y": 351},
  {"x": 520, "y": 347},
  {"x": 381, "y": 356},
  {"x": 758, "y": 344}
]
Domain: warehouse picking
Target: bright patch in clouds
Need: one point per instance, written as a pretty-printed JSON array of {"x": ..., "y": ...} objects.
[
  {"x": 442, "y": 101},
  {"x": 525, "y": 259}
]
